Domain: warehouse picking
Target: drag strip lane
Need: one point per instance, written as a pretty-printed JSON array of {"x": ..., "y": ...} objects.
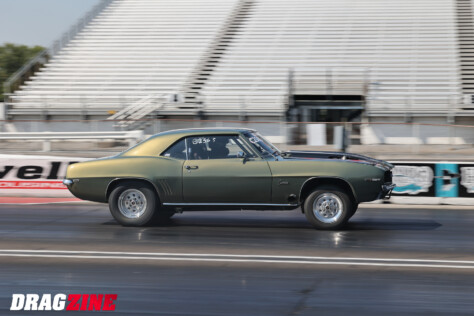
[
  {"x": 388, "y": 261},
  {"x": 310, "y": 260}
]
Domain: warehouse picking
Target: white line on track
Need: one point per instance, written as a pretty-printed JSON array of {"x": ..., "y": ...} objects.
[{"x": 357, "y": 261}]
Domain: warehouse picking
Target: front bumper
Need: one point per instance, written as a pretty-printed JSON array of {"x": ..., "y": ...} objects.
[
  {"x": 69, "y": 182},
  {"x": 386, "y": 191}
]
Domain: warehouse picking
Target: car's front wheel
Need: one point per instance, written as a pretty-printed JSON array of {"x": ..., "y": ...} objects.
[
  {"x": 328, "y": 208},
  {"x": 133, "y": 203}
]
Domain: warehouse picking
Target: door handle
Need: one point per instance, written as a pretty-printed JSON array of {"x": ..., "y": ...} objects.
[{"x": 191, "y": 167}]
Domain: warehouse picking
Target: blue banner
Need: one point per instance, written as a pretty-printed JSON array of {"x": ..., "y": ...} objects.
[{"x": 446, "y": 180}]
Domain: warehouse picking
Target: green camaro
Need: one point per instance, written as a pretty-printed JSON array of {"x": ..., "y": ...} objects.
[{"x": 228, "y": 169}]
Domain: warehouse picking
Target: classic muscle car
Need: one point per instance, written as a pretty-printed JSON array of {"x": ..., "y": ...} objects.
[{"x": 228, "y": 169}]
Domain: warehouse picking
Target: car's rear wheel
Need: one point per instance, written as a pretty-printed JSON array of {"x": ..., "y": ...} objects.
[
  {"x": 328, "y": 207},
  {"x": 133, "y": 203}
]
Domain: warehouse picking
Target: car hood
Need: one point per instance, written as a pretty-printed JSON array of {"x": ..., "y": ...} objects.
[{"x": 348, "y": 157}]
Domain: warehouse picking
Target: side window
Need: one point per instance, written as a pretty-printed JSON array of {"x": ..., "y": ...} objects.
[
  {"x": 214, "y": 147},
  {"x": 244, "y": 147},
  {"x": 177, "y": 150},
  {"x": 197, "y": 147},
  {"x": 236, "y": 145}
]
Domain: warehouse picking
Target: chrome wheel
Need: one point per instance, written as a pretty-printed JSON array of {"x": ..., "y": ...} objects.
[
  {"x": 327, "y": 208},
  {"x": 132, "y": 203}
]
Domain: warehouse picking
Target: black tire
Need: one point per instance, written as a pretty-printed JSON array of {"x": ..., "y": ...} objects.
[
  {"x": 142, "y": 203},
  {"x": 355, "y": 206},
  {"x": 328, "y": 207}
]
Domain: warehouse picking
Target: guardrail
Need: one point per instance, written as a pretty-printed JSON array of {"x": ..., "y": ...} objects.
[{"x": 133, "y": 137}]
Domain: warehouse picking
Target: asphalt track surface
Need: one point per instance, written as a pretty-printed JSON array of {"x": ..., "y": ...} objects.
[{"x": 388, "y": 261}]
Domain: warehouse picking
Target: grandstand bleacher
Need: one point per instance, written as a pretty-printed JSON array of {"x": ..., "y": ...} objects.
[
  {"x": 130, "y": 50},
  {"x": 225, "y": 57},
  {"x": 409, "y": 48}
]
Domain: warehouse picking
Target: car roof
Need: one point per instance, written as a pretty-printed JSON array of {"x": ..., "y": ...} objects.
[
  {"x": 157, "y": 143},
  {"x": 193, "y": 131}
]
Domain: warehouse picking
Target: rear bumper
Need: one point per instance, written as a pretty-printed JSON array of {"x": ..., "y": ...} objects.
[{"x": 386, "y": 191}]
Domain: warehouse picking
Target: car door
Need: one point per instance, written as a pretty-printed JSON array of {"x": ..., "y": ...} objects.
[{"x": 215, "y": 172}]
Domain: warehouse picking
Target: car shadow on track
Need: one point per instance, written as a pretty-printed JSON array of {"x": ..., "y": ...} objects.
[
  {"x": 392, "y": 225},
  {"x": 291, "y": 223}
]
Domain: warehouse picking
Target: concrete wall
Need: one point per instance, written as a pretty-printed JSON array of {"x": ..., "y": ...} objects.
[
  {"x": 402, "y": 134},
  {"x": 62, "y": 126},
  {"x": 153, "y": 127}
]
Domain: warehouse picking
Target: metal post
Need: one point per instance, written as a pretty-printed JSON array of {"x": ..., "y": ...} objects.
[
  {"x": 283, "y": 132},
  {"x": 291, "y": 101},
  {"x": 451, "y": 121},
  {"x": 46, "y": 145},
  {"x": 340, "y": 138},
  {"x": 416, "y": 134}
]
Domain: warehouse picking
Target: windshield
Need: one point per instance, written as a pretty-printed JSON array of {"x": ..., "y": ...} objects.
[{"x": 262, "y": 145}]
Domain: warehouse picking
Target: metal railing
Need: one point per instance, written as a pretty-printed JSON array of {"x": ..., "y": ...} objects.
[
  {"x": 132, "y": 114},
  {"x": 133, "y": 137},
  {"x": 329, "y": 80}
]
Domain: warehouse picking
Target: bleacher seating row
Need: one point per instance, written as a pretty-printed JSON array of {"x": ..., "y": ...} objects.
[
  {"x": 130, "y": 50},
  {"x": 408, "y": 47},
  {"x": 136, "y": 48}
]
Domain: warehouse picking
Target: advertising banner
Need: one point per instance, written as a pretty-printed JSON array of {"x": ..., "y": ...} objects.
[
  {"x": 414, "y": 179},
  {"x": 446, "y": 179},
  {"x": 466, "y": 187},
  {"x": 24, "y": 175},
  {"x": 41, "y": 176}
]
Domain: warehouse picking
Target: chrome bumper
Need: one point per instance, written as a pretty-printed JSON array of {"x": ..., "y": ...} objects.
[
  {"x": 68, "y": 182},
  {"x": 386, "y": 190}
]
